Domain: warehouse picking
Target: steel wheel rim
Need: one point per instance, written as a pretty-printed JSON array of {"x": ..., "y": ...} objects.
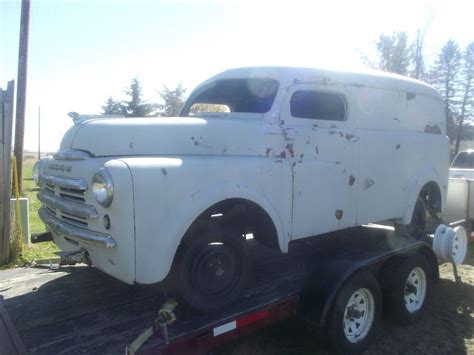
[
  {"x": 359, "y": 315},
  {"x": 415, "y": 290},
  {"x": 216, "y": 270},
  {"x": 459, "y": 245}
]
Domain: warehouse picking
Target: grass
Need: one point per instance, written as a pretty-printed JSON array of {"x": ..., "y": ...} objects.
[{"x": 38, "y": 251}]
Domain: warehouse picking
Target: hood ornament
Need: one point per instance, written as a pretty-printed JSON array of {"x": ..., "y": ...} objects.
[{"x": 78, "y": 118}]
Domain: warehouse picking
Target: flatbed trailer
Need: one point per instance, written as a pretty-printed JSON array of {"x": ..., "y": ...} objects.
[{"x": 78, "y": 309}]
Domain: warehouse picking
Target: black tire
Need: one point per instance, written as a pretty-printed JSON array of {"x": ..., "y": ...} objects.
[
  {"x": 416, "y": 228},
  {"x": 336, "y": 330},
  {"x": 395, "y": 289},
  {"x": 212, "y": 268}
]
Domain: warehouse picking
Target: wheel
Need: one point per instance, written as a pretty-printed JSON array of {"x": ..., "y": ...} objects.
[
  {"x": 355, "y": 314},
  {"x": 407, "y": 286},
  {"x": 416, "y": 228},
  {"x": 212, "y": 268}
]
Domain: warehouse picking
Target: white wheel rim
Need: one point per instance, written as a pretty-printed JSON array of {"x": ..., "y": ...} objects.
[
  {"x": 459, "y": 245},
  {"x": 359, "y": 315},
  {"x": 415, "y": 290}
]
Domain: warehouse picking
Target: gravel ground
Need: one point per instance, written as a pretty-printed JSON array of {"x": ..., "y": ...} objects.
[{"x": 446, "y": 328}]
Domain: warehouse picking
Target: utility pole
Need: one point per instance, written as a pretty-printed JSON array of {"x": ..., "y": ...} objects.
[
  {"x": 39, "y": 132},
  {"x": 21, "y": 88}
]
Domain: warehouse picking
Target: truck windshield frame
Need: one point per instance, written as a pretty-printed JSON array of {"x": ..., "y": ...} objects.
[{"x": 243, "y": 95}]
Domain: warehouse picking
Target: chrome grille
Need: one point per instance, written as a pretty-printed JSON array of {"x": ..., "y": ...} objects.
[{"x": 65, "y": 199}]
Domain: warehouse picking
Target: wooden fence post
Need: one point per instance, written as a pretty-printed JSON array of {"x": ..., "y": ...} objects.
[{"x": 6, "y": 120}]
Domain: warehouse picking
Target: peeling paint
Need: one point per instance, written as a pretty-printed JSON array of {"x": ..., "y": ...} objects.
[
  {"x": 164, "y": 172},
  {"x": 282, "y": 155},
  {"x": 289, "y": 147},
  {"x": 339, "y": 214},
  {"x": 352, "y": 138},
  {"x": 294, "y": 164},
  {"x": 279, "y": 161},
  {"x": 268, "y": 151},
  {"x": 352, "y": 180},
  {"x": 333, "y": 126}
]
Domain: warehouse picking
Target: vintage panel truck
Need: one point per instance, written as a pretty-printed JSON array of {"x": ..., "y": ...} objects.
[{"x": 274, "y": 154}]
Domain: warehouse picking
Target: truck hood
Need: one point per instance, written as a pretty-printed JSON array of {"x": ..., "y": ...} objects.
[{"x": 174, "y": 136}]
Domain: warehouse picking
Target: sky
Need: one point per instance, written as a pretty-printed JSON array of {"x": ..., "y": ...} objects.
[{"x": 83, "y": 51}]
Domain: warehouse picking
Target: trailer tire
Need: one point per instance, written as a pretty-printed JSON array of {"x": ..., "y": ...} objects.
[
  {"x": 416, "y": 228},
  {"x": 406, "y": 289},
  {"x": 361, "y": 296},
  {"x": 212, "y": 268}
]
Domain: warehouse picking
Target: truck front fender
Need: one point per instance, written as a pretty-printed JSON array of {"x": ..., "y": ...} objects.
[{"x": 171, "y": 193}]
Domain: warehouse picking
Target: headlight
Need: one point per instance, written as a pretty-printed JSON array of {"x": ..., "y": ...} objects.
[
  {"x": 36, "y": 171},
  {"x": 103, "y": 187}
]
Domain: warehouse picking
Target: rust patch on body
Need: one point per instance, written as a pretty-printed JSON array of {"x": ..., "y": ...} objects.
[
  {"x": 351, "y": 137},
  {"x": 289, "y": 147},
  {"x": 195, "y": 141},
  {"x": 339, "y": 214},
  {"x": 434, "y": 129},
  {"x": 282, "y": 155},
  {"x": 352, "y": 180}
]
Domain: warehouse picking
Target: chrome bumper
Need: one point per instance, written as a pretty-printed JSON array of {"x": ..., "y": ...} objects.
[
  {"x": 72, "y": 208},
  {"x": 75, "y": 233}
]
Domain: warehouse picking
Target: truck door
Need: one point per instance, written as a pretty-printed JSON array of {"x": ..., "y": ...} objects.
[
  {"x": 380, "y": 114},
  {"x": 323, "y": 150}
]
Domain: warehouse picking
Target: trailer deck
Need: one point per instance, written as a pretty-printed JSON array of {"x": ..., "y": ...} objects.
[{"x": 77, "y": 309}]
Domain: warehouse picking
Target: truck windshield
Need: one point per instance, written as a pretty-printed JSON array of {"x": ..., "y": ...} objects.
[
  {"x": 254, "y": 95},
  {"x": 464, "y": 160}
]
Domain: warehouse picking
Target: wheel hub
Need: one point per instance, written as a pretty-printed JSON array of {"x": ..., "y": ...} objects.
[
  {"x": 415, "y": 289},
  {"x": 359, "y": 315},
  {"x": 216, "y": 270}
]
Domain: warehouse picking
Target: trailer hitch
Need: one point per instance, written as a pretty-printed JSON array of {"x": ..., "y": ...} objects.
[{"x": 74, "y": 257}]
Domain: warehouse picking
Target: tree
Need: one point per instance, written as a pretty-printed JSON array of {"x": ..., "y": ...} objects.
[
  {"x": 173, "y": 101},
  {"x": 393, "y": 53},
  {"x": 418, "y": 70},
  {"x": 135, "y": 106},
  {"x": 112, "y": 107},
  {"x": 466, "y": 85},
  {"x": 444, "y": 76}
]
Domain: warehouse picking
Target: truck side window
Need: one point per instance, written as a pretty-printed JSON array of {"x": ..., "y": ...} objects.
[{"x": 318, "y": 105}]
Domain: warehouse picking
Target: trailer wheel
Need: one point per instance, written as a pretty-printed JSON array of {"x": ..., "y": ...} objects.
[
  {"x": 416, "y": 228},
  {"x": 407, "y": 286},
  {"x": 212, "y": 268},
  {"x": 355, "y": 314}
]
